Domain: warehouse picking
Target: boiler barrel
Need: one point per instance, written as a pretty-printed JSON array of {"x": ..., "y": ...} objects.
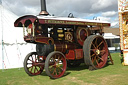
[{"x": 62, "y": 46}]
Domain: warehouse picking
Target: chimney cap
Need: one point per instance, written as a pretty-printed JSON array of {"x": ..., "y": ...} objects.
[{"x": 44, "y": 13}]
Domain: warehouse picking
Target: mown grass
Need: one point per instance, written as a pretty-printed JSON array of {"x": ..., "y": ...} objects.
[{"x": 116, "y": 74}]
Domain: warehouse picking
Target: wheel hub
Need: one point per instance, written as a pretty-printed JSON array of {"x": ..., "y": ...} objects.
[{"x": 97, "y": 51}]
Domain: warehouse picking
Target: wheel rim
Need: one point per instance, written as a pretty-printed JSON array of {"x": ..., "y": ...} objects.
[
  {"x": 31, "y": 67},
  {"x": 57, "y": 65},
  {"x": 98, "y": 52}
]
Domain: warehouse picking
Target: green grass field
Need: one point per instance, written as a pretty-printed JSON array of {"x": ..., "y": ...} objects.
[{"x": 116, "y": 74}]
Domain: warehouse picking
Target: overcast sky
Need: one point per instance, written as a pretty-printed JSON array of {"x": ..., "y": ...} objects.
[{"x": 103, "y": 9}]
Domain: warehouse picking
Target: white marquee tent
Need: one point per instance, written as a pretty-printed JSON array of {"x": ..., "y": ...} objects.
[
  {"x": 14, "y": 48},
  {"x": 110, "y": 36}
]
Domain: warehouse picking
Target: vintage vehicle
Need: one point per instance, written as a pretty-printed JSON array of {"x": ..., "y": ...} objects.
[{"x": 62, "y": 42}]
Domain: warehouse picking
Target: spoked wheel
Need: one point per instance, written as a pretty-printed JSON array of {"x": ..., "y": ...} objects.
[
  {"x": 95, "y": 52},
  {"x": 55, "y": 65},
  {"x": 72, "y": 64},
  {"x": 30, "y": 64}
]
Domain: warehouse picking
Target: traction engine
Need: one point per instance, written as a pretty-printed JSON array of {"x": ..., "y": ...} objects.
[{"x": 62, "y": 42}]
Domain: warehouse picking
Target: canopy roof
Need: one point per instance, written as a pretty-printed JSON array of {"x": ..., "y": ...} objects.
[{"x": 58, "y": 20}]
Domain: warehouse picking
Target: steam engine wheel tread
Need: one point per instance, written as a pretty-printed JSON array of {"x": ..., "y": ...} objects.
[{"x": 95, "y": 52}]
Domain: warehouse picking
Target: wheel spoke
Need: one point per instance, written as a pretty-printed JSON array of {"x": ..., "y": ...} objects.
[
  {"x": 51, "y": 69},
  {"x": 93, "y": 59},
  {"x": 93, "y": 55},
  {"x": 59, "y": 59},
  {"x": 94, "y": 50},
  {"x": 100, "y": 58},
  {"x": 54, "y": 59},
  {"x": 100, "y": 44},
  {"x": 59, "y": 70},
  {"x": 54, "y": 71},
  {"x": 97, "y": 62},
  {"x": 102, "y": 52},
  {"x": 96, "y": 41},
  {"x": 55, "y": 56},
  {"x": 94, "y": 46},
  {"x": 31, "y": 68},
  {"x": 30, "y": 60},
  {"x": 36, "y": 68}
]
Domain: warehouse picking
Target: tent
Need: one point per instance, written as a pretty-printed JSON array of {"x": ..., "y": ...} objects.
[
  {"x": 14, "y": 49},
  {"x": 110, "y": 36}
]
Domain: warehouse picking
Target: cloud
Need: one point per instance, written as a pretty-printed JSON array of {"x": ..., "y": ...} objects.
[
  {"x": 79, "y": 8},
  {"x": 62, "y": 7},
  {"x": 104, "y": 18},
  {"x": 109, "y": 14},
  {"x": 104, "y": 5}
]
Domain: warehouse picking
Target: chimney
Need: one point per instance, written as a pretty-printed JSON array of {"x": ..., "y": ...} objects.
[{"x": 43, "y": 8}]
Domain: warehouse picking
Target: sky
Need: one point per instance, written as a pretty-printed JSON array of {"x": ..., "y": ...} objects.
[{"x": 106, "y": 10}]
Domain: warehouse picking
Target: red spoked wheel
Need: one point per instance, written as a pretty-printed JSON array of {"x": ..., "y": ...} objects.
[
  {"x": 55, "y": 65},
  {"x": 95, "y": 52},
  {"x": 33, "y": 65}
]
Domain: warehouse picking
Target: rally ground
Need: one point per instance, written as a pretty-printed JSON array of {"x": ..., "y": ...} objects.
[{"x": 116, "y": 74}]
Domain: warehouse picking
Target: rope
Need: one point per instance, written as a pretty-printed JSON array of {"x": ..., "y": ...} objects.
[
  {"x": 19, "y": 50},
  {"x": 4, "y": 65},
  {"x": 8, "y": 6},
  {"x": 19, "y": 53},
  {"x": 7, "y": 55}
]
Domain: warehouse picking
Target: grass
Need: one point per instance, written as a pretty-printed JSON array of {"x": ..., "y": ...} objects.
[{"x": 116, "y": 74}]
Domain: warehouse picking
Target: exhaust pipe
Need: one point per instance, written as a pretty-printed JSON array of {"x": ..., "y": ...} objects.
[{"x": 43, "y": 8}]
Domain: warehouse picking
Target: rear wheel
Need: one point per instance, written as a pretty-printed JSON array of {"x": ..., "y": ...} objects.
[
  {"x": 95, "y": 52},
  {"x": 55, "y": 64}
]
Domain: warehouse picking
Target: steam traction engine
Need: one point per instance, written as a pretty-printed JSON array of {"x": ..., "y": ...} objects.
[{"x": 62, "y": 42}]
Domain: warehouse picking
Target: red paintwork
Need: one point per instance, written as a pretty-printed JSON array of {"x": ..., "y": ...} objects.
[
  {"x": 74, "y": 54},
  {"x": 22, "y": 20},
  {"x": 79, "y": 53},
  {"x": 70, "y": 55}
]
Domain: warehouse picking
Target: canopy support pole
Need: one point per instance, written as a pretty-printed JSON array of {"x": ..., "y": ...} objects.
[{"x": 2, "y": 42}]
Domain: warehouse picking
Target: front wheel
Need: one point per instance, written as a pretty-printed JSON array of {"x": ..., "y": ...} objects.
[
  {"x": 30, "y": 66},
  {"x": 55, "y": 64},
  {"x": 95, "y": 52}
]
